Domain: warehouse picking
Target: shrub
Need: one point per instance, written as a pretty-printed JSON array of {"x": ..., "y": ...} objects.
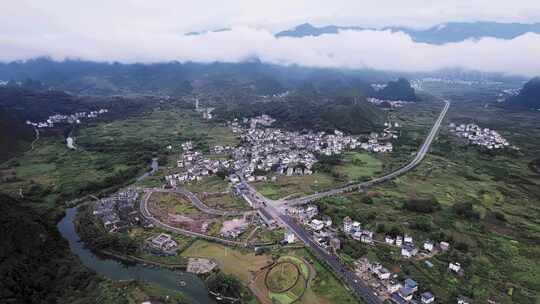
[
  {"x": 426, "y": 205},
  {"x": 466, "y": 210},
  {"x": 500, "y": 216},
  {"x": 422, "y": 224},
  {"x": 367, "y": 200}
]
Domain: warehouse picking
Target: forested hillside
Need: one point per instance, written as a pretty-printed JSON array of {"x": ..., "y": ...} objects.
[{"x": 36, "y": 265}]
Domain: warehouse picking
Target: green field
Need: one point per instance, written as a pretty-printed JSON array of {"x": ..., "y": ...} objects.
[
  {"x": 282, "y": 277},
  {"x": 109, "y": 153},
  {"x": 357, "y": 165},
  {"x": 236, "y": 262},
  {"x": 324, "y": 287},
  {"x": 296, "y": 185},
  {"x": 208, "y": 184}
]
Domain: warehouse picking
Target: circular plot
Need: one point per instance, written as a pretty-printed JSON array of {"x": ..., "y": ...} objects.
[{"x": 282, "y": 277}]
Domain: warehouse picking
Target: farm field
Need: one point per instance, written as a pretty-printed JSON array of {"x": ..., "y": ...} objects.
[
  {"x": 108, "y": 153},
  {"x": 359, "y": 165},
  {"x": 296, "y": 185},
  {"x": 239, "y": 263}
]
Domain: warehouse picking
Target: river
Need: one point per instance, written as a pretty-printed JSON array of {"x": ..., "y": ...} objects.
[{"x": 195, "y": 290}]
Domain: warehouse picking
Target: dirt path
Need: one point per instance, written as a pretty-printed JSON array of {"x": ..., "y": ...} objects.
[{"x": 32, "y": 145}]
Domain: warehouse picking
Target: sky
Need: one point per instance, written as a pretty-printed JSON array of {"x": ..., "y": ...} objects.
[{"x": 153, "y": 31}]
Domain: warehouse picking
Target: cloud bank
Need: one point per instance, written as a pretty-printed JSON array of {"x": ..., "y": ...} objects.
[{"x": 348, "y": 50}]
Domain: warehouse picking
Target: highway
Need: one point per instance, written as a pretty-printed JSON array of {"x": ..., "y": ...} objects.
[
  {"x": 277, "y": 210},
  {"x": 349, "y": 277}
]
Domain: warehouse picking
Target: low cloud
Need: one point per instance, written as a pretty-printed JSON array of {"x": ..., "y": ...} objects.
[{"x": 348, "y": 49}]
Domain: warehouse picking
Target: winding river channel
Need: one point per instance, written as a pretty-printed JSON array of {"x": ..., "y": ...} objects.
[{"x": 194, "y": 290}]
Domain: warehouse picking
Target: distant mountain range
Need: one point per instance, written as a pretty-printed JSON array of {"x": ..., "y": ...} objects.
[
  {"x": 529, "y": 96},
  {"x": 439, "y": 34}
]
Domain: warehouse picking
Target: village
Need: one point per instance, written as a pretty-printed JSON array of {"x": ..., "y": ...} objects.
[
  {"x": 484, "y": 137},
  {"x": 74, "y": 118},
  {"x": 267, "y": 149},
  {"x": 388, "y": 103}
]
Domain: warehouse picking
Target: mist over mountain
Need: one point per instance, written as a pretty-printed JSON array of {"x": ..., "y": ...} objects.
[
  {"x": 174, "y": 78},
  {"x": 438, "y": 34},
  {"x": 529, "y": 96}
]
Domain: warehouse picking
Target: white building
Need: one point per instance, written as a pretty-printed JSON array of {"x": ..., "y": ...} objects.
[
  {"x": 399, "y": 241},
  {"x": 408, "y": 250},
  {"x": 428, "y": 245},
  {"x": 455, "y": 267},
  {"x": 290, "y": 237},
  {"x": 317, "y": 224},
  {"x": 347, "y": 224},
  {"x": 427, "y": 298}
]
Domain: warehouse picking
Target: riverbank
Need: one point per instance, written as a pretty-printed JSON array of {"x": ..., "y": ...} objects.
[{"x": 193, "y": 289}]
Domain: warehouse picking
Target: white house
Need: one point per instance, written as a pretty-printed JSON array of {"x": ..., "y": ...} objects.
[
  {"x": 408, "y": 251},
  {"x": 428, "y": 245},
  {"x": 399, "y": 241},
  {"x": 427, "y": 297},
  {"x": 444, "y": 246},
  {"x": 383, "y": 273},
  {"x": 317, "y": 224},
  {"x": 347, "y": 224},
  {"x": 393, "y": 287},
  {"x": 463, "y": 300},
  {"x": 389, "y": 240},
  {"x": 408, "y": 239},
  {"x": 455, "y": 267},
  {"x": 289, "y": 237}
]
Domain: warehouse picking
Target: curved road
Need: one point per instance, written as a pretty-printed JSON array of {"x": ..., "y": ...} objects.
[
  {"x": 143, "y": 207},
  {"x": 203, "y": 207}
]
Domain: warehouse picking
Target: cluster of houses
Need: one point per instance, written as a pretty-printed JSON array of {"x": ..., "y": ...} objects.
[
  {"x": 321, "y": 228},
  {"x": 290, "y": 153},
  {"x": 409, "y": 249},
  {"x": 118, "y": 212},
  {"x": 476, "y": 135},
  {"x": 74, "y": 118},
  {"x": 195, "y": 166},
  {"x": 405, "y": 242},
  {"x": 382, "y": 280},
  {"x": 392, "y": 103},
  {"x": 354, "y": 229},
  {"x": 263, "y": 120},
  {"x": 267, "y": 149},
  {"x": 161, "y": 244}
]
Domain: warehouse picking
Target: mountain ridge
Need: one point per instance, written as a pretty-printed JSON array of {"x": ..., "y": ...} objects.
[{"x": 438, "y": 34}]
